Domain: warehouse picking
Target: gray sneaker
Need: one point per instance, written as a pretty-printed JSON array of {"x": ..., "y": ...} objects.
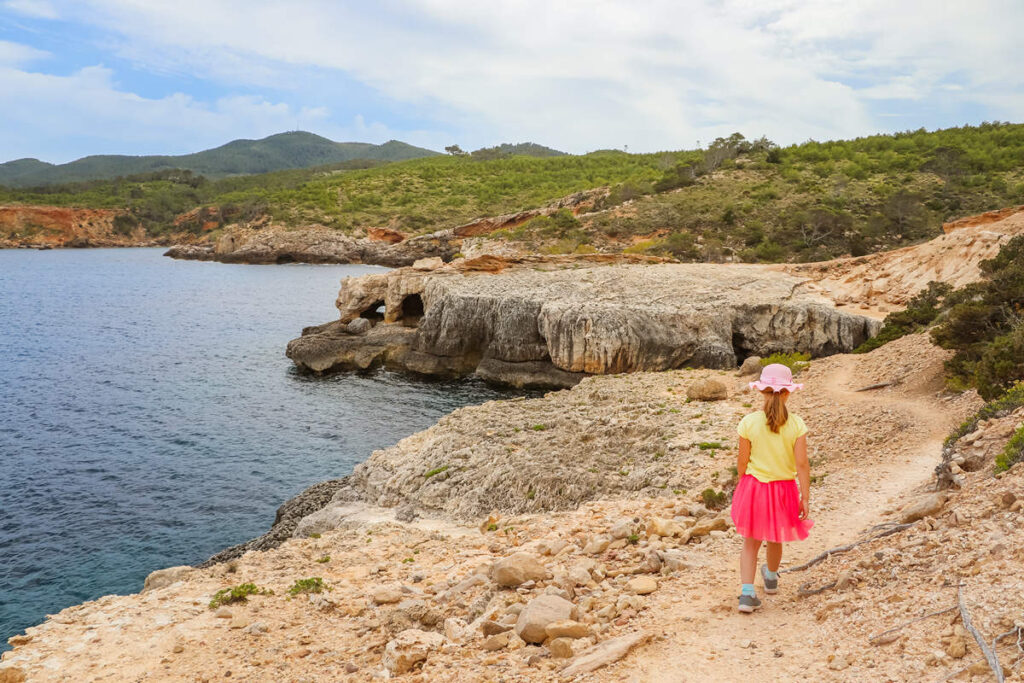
[
  {"x": 771, "y": 586},
  {"x": 749, "y": 603}
]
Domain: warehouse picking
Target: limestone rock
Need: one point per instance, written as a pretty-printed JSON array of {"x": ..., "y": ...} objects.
[
  {"x": 498, "y": 641},
  {"x": 567, "y": 628},
  {"x": 165, "y": 577},
  {"x": 12, "y": 674},
  {"x": 359, "y": 326},
  {"x": 387, "y": 595},
  {"x": 658, "y": 526},
  {"x": 518, "y": 568},
  {"x": 604, "y": 653},
  {"x": 642, "y": 585},
  {"x": 751, "y": 366},
  {"x": 705, "y": 526},
  {"x": 539, "y": 613},
  {"x": 926, "y": 506},
  {"x": 707, "y": 390},
  {"x": 409, "y": 648},
  {"x": 560, "y": 648},
  {"x": 544, "y": 327}
]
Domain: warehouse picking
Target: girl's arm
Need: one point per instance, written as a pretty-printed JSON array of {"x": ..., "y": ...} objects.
[
  {"x": 803, "y": 474},
  {"x": 743, "y": 458}
]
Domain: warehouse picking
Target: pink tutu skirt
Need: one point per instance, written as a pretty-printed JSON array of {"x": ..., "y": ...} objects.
[{"x": 769, "y": 512}]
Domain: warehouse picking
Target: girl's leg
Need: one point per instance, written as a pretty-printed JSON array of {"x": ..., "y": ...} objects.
[
  {"x": 748, "y": 559},
  {"x": 774, "y": 556}
]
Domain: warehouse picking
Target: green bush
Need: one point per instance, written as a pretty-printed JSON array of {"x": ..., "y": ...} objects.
[
  {"x": 796, "y": 361},
  {"x": 311, "y": 585},
  {"x": 714, "y": 500},
  {"x": 920, "y": 312},
  {"x": 1013, "y": 453},
  {"x": 240, "y": 593}
]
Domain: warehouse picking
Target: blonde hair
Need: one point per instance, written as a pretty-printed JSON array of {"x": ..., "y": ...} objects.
[{"x": 775, "y": 409}]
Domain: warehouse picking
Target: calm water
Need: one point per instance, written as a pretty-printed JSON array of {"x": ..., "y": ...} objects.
[{"x": 149, "y": 418}]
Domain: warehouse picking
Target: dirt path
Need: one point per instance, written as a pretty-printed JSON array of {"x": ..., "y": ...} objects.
[{"x": 705, "y": 639}]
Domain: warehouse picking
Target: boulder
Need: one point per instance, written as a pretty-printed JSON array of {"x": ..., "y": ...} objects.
[
  {"x": 751, "y": 366},
  {"x": 642, "y": 585},
  {"x": 925, "y": 506},
  {"x": 560, "y": 648},
  {"x": 539, "y": 613},
  {"x": 359, "y": 326},
  {"x": 658, "y": 526},
  {"x": 567, "y": 628},
  {"x": 707, "y": 390},
  {"x": 165, "y": 577},
  {"x": 409, "y": 648},
  {"x": 518, "y": 568}
]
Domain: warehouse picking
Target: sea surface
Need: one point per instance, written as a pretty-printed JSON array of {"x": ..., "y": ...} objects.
[{"x": 149, "y": 417}]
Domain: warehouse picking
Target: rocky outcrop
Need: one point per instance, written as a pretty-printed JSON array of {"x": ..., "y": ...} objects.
[
  {"x": 287, "y": 519},
  {"x": 541, "y": 324},
  {"x": 577, "y": 203},
  {"x": 313, "y": 245},
  {"x": 44, "y": 227},
  {"x": 889, "y": 279}
]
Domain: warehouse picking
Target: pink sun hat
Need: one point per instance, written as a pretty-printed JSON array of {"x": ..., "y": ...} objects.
[{"x": 777, "y": 378}]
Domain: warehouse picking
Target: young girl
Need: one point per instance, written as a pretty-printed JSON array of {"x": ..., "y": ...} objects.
[{"x": 766, "y": 505}]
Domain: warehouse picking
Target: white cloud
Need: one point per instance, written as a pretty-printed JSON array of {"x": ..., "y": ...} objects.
[
  {"x": 60, "y": 118},
  {"x": 32, "y": 8},
  {"x": 579, "y": 76},
  {"x": 13, "y": 54}
]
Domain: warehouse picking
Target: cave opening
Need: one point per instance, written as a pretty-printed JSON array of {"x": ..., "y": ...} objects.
[
  {"x": 412, "y": 310},
  {"x": 374, "y": 312},
  {"x": 740, "y": 348}
]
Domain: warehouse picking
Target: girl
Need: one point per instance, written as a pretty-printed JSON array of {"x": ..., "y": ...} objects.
[{"x": 766, "y": 505}]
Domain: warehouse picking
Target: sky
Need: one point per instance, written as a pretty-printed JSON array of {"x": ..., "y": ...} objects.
[{"x": 143, "y": 77}]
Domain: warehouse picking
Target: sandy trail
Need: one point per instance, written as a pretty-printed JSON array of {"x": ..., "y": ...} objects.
[{"x": 705, "y": 639}]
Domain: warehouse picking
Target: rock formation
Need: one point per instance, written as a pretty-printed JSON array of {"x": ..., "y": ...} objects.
[
  {"x": 58, "y": 226},
  {"x": 889, "y": 279},
  {"x": 541, "y": 325},
  {"x": 317, "y": 245}
]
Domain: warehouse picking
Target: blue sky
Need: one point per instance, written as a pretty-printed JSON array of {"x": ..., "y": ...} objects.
[{"x": 140, "y": 77}]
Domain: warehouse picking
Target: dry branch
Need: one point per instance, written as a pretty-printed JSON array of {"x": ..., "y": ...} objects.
[
  {"x": 990, "y": 656},
  {"x": 846, "y": 548},
  {"x": 912, "y": 621},
  {"x": 880, "y": 385}
]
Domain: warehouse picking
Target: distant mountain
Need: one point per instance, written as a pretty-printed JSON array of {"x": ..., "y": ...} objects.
[{"x": 275, "y": 153}]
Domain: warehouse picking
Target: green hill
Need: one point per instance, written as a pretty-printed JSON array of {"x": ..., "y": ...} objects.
[
  {"x": 277, "y": 152},
  {"x": 735, "y": 200}
]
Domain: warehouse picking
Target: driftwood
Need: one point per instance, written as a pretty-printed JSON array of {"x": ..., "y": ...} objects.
[
  {"x": 990, "y": 656},
  {"x": 875, "y": 637},
  {"x": 880, "y": 385},
  {"x": 845, "y": 548}
]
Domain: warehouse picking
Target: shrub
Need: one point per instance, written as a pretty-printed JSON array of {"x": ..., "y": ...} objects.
[
  {"x": 311, "y": 585},
  {"x": 240, "y": 593},
  {"x": 1013, "y": 453},
  {"x": 436, "y": 471},
  {"x": 921, "y": 311},
  {"x": 1008, "y": 402},
  {"x": 714, "y": 500},
  {"x": 795, "y": 361}
]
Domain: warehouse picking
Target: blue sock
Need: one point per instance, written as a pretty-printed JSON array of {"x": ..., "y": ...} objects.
[
  {"x": 770, "y": 574},
  {"x": 748, "y": 589}
]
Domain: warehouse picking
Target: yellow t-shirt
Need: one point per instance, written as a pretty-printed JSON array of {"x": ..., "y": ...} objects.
[{"x": 771, "y": 454}]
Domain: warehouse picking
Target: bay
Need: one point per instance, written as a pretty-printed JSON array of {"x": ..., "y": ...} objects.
[{"x": 149, "y": 417}]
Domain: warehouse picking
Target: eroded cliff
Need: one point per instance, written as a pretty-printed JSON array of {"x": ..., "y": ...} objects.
[{"x": 550, "y": 324}]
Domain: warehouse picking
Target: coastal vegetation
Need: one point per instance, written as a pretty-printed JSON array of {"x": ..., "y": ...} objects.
[
  {"x": 983, "y": 323},
  {"x": 736, "y": 199},
  {"x": 240, "y": 593}
]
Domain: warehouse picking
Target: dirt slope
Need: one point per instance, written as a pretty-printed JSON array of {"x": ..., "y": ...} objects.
[{"x": 887, "y": 280}]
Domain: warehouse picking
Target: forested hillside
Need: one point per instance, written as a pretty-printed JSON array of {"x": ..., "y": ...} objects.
[{"x": 736, "y": 199}]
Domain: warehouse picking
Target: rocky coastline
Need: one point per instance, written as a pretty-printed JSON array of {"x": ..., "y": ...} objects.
[{"x": 551, "y": 322}]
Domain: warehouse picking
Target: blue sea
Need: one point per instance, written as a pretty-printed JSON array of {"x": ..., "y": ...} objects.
[{"x": 149, "y": 417}]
